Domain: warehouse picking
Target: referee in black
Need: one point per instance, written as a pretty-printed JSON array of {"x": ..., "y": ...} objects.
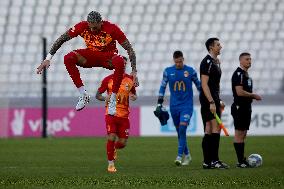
[
  {"x": 241, "y": 108},
  {"x": 210, "y": 75}
]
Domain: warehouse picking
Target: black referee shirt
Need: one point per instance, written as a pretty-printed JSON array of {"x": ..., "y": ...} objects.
[
  {"x": 210, "y": 67},
  {"x": 241, "y": 78}
]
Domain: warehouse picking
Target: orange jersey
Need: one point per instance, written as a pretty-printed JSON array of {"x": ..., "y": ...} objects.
[
  {"x": 122, "y": 97},
  {"x": 104, "y": 40}
]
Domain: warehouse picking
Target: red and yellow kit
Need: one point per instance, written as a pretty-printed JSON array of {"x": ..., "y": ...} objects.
[
  {"x": 119, "y": 123},
  {"x": 122, "y": 97},
  {"x": 104, "y": 40}
]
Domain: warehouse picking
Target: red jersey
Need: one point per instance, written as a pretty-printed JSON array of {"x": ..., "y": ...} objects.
[
  {"x": 122, "y": 97},
  {"x": 104, "y": 40}
]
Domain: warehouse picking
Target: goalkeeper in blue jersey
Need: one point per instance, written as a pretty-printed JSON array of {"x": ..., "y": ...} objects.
[{"x": 180, "y": 78}]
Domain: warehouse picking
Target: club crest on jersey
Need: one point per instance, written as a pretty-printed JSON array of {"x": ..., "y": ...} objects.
[
  {"x": 208, "y": 61},
  {"x": 186, "y": 74},
  {"x": 73, "y": 29},
  {"x": 127, "y": 86}
]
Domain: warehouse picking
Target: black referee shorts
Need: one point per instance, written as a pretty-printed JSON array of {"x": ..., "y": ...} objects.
[
  {"x": 207, "y": 115},
  {"x": 241, "y": 116}
]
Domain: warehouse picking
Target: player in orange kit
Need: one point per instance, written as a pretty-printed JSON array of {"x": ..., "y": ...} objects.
[
  {"x": 118, "y": 125},
  {"x": 100, "y": 37}
]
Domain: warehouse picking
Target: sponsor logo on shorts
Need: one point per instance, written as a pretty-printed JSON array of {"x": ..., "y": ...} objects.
[{"x": 126, "y": 132}]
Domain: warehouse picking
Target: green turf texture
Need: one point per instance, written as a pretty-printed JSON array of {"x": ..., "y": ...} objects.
[{"x": 147, "y": 162}]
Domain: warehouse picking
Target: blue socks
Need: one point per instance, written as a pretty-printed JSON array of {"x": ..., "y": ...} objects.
[{"x": 182, "y": 142}]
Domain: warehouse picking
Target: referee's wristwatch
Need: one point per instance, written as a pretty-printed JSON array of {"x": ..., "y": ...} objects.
[{"x": 212, "y": 102}]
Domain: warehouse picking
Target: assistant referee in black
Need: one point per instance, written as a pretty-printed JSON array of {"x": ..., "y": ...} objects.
[
  {"x": 210, "y": 75},
  {"x": 241, "y": 108}
]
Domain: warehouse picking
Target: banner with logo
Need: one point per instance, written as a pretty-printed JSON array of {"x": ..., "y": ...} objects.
[
  {"x": 266, "y": 120},
  {"x": 27, "y": 122}
]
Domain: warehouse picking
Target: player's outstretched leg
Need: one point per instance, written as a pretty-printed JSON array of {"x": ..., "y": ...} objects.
[
  {"x": 84, "y": 99},
  {"x": 70, "y": 61},
  {"x": 119, "y": 69}
]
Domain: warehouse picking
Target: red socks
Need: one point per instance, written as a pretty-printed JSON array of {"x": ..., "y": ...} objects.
[
  {"x": 111, "y": 146},
  {"x": 110, "y": 150}
]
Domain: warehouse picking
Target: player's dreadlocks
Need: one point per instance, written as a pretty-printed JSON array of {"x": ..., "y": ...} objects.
[{"x": 94, "y": 17}]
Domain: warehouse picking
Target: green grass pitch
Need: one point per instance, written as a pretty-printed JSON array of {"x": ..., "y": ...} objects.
[{"x": 147, "y": 162}]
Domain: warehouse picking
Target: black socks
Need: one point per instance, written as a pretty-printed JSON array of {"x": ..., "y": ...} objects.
[{"x": 240, "y": 149}]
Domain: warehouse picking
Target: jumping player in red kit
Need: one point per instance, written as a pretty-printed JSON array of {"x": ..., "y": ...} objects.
[{"x": 100, "y": 37}]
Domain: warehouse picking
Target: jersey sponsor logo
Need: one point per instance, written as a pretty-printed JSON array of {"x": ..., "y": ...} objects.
[
  {"x": 186, "y": 73},
  {"x": 97, "y": 41},
  {"x": 179, "y": 85}
]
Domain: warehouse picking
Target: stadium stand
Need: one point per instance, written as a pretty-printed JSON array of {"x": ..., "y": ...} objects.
[{"x": 155, "y": 27}]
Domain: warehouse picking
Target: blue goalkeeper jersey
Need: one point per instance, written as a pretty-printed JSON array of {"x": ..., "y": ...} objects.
[{"x": 180, "y": 84}]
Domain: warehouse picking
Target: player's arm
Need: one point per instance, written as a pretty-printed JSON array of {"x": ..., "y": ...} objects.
[
  {"x": 100, "y": 96},
  {"x": 196, "y": 81},
  {"x": 237, "y": 81},
  {"x": 131, "y": 53},
  {"x": 207, "y": 93},
  {"x": 205, "y": 70},
  {"x": 162, "y": 90},
  {"x": 132, "y": 94},
  {"x": 56, "y": 45},
  {"x": 241, "y": 92},
  {"x": 205, "y": 88},
  {"x": 124, "y": 42},
  {"x": 103, "y": 88},
  {"x": 71, "y": 33},
  {"x": 132, "y": 57}
]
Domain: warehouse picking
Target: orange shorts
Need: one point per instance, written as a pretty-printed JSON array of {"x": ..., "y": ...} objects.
[{"x": 118, "y": 125}]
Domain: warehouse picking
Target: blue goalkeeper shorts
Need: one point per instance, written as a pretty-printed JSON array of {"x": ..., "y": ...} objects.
[{"x": 181, "y": 115}]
